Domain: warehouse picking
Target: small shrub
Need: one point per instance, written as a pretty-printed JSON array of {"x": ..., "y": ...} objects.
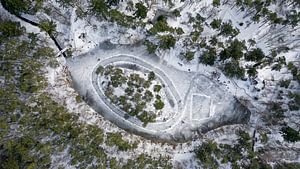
[
  {"x": 289, "y": 134},
  {"x": 141, "y": 11},
  {"x": 255, "y": 55},
  {"x": 235, "y": 50},
  {"x": 176, "y": 13},
  {"x": 232, "y": 69},
  {"x": 151, "y": 76},
  {"x": 216, "y": 3},
  {"x": 189, "y": 55},
  {"x": 216, "y": 23},
  {"x": 100, "y": 70},
  {"x": 115, "y": 139},
  {"x": 167, "y": 42},
  {"x": 98, "y": 7},
  {"x": 226, "y": 29},
  {"x": 252, "y": 72},
  {"x": 161, "y": 25},
  {"x": 159, "y": 104},
  {"x": 48, "y": 26},
  {"x": 10, "y": 29},
  {"x": 209, "y": 57},
  {"x": 204, "y": 154},
  {"x": 146, "y": 118},
  {"x": 179, "y": 31},
  {"x": 157, "y": 88},
  {"x": 151, "y": 47}
]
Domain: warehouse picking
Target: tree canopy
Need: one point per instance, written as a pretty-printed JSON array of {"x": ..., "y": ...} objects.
[{"x": 255, "y": 55}]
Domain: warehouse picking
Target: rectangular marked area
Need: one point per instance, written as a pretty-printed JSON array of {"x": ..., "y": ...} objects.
[{"x": 200, "y": 107}]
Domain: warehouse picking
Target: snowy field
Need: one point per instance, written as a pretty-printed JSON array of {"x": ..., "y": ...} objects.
[
  {"x": 200, "y": 107},
  {"x": 183, "y": 86}
]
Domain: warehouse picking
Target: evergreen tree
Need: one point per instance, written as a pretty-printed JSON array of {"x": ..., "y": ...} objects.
[
  {"x": 209, "y": 57},
  {"x": 255, "y": 55},
  {"x": 232, "y": 69},
  {"x": 167, "y": 42},
  {"x": 141, "y": 11}
]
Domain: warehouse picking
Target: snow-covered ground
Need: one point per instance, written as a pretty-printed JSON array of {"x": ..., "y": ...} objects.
[{"x": 85, "y": 37}]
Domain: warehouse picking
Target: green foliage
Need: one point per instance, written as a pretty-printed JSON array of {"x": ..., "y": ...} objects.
[
  {"x": 25, "y": 146},
  {"x": 264, "y": 137},
  {"x": 120, "y": 18},
  {"x": 294, "y": 102},
  {"x": 16, "y": 154},
  {"x": 33, "y": 127},
  {"x": 210, "y": 152},
  {"x": 279, "y": 62},
  {"x": 293, "y": 18},
  {"x": 235, "y": 50},
  {"x": 66, "y": 3},
  {"x": 100, "y": 70},
  {"x": 146, "y": 117},
  {"x": 78, "y": 99},
  {"x": 226, "y": 29},
  {"x": 213, "y": 41},
  {"x": 295, "y": 71},
  {"x": 176, "y": 13},
  {"x": 99, "y": 8},
  {"x": 151, "y": 76},
  {"x": 277, "y": 112},
  {"x": 195, "y": 35},
  {"x": 116, "y": 76},
  {"x": 151, "y": 47},
  {"x": 135, "y": 92},
  {"x": 115, "y": 139},
  {"x": 43, "y": 52},
  {"x": 159, "y": 104},
  {"x": 252, "y": 72},
  {"x": 156, "y": 88},
  {"x": 289, "y": 134},
  {"x": 10, "y": 29},
  {"x": 272, "y": 16},
  {"x": 167, "y": 42},
  {"x": 48, "y": 26},
  {"x": 113, "y": 164},
  {"x": 148, "y": 96},
  {"x": 141, "y": 11},
  {"x": 204, "y": 154},
  {"x": 179, "y": 31},
  {"x": 232, "y": 69},
  {"x": 145, "y": 161},
  {"x": 189, "y": 55},
  {"x": 255, "y": 55},
  {"x": 16, "y": 6},
  {"x": 261, "y": 10},
  {"x": 30, "y": 81},
  {"x": 216, "y": 23},
  {"x": 231, "y": 153},
  {"x": 216, "y": 3},
  {"x": 161, "y": 25},
  {"x": 244, "y": 139},
  {"x": 197, "y": 22},
  {"x": 208, "y": 57}
]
